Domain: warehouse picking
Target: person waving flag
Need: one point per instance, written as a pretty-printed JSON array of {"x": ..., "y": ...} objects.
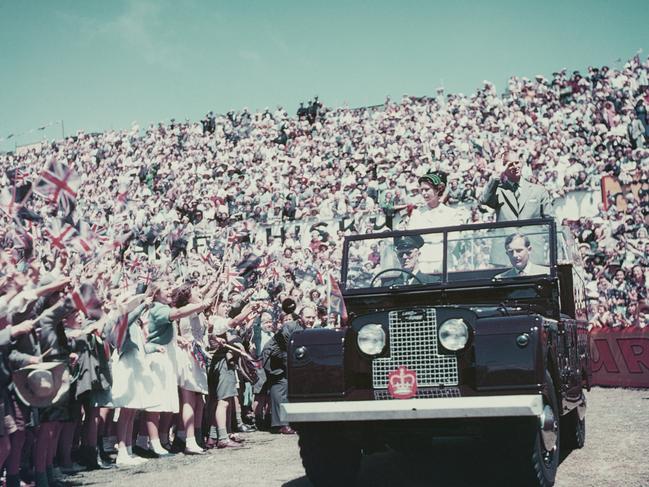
[
  {"x": 60, "y": 234},
  {"x": 336, "y": 301},
  {"x": 59, "y": 185}
]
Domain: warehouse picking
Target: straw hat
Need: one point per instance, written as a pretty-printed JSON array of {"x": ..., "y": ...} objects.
[{"x": 42, "y": 385}]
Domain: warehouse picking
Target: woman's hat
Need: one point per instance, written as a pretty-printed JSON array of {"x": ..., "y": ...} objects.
[
  {"x": 42, "y": 385},
  {"x": 436, "y": 178}
]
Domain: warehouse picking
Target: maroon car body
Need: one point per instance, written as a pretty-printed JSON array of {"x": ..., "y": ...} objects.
[{"x": 525, "y": 355}]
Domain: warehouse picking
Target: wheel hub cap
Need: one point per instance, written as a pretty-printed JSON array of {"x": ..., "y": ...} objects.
[{"x": 549, "y": 427}]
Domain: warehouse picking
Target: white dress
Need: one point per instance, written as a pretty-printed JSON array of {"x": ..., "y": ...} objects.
[
  {"x": 432, "y": 253},
  {"x": 192, "y": 362},
  {"x": 133, "y": 384}
]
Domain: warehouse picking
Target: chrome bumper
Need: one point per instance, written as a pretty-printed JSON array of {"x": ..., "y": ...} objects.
[{"x": 397, "y": 409}]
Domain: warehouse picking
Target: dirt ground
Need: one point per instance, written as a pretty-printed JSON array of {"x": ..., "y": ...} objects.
[{"x": 616, "y": 452}]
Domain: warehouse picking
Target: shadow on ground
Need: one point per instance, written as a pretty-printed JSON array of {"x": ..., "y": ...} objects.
[{"x": 468, "y": 463}]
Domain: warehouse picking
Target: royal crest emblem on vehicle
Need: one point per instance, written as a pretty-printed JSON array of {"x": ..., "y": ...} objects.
[{"x": 402, "y": 383}]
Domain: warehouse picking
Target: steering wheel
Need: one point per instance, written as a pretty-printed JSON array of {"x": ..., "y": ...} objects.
[{"x": 391, "y": 269}]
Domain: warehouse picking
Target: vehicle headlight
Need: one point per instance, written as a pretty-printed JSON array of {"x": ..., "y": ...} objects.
[
  {"x": 453, "y": 334},
  {"x": 371, "y": 339}
]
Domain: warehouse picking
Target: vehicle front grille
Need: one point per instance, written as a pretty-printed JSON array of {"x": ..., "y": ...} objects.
[
  {"x": 382, "y": 394},
  {"x": 413, "y": 344}
]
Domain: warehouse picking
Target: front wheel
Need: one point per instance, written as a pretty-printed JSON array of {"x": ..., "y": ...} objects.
[
  {"x": 538, "y": 448},
  {"x": 329, "y": 460}
]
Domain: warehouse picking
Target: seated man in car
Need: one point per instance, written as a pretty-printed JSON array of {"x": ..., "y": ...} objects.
[
  {"x": 408, "y": 250},
  {"x": 519, "y": 251}
]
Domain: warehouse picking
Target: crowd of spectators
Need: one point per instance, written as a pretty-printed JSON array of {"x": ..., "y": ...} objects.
[{"x": 261, "y": 191}]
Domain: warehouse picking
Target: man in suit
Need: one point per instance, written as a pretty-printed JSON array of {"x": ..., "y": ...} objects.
[
  {"x": 519, "y": 251},
  {"x": 408, "y": 250},
  {"x": 514, "y": 198}
]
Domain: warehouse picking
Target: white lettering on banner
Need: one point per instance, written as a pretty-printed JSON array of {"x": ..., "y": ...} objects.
[
  {"x": 577, "y": 204},
  {"x": 582, "y": 203}
]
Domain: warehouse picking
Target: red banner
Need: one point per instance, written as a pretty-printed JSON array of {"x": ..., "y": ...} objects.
[
  {"x": 616, "y": 193},
  {"x": 620, "y": 357}
]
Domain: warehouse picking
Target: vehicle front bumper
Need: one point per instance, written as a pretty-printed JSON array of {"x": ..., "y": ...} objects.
[{"x": 413, "y": 409}]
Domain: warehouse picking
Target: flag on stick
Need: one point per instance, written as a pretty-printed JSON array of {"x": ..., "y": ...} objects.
[
  {"x": 60, "y": 234},
  {"x": 59, "y": 184},
  {"x": 84, "y": 239},
  {"x": 121, "y": 331},
  {"x": 86, "y": 301},
  {"x": 8, "y": 202},
  {"x": 336, "y": 301}
]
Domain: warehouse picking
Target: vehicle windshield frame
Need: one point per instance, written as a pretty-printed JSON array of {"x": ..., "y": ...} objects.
[{"x": 444, "y": 283}]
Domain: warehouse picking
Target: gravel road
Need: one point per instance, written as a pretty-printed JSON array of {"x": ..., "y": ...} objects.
[{"x": 616, "y": 452}]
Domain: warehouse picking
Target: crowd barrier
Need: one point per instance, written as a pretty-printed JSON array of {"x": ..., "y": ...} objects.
[{"x": 620, "y": 357}]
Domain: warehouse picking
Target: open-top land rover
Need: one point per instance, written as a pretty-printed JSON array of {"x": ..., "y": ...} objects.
[{"x": 476, "y": 330}]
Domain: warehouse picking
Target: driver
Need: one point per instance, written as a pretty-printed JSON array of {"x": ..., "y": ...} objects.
[
  {"x": 408, "y": 250},
  {"x": 519, "y": 251}
]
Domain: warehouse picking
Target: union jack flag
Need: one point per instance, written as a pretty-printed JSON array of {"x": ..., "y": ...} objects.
[
  {"x": 104, "y": 343},
  {"x": 148, "y": 278},
  {"x": 141, "y": 269},
  {"x": 59, "y": 185},
  {"x": 98, "y": 232},
  {"x": 86, "y": 301},
  {"x": 265, "y": 263},
  {"x": 135, "y": 265},
  {"x": 237, "y": 282},
  {"x": 122, "y": 191},
  {"x": 24, "y": 243},
  {"x": 12, "y": 199},
  {"x": 98, "y": 229},
  {"x": 84, "y": 239},
  {"x": 108, "y": 247},
  {"x": 111, "y": 244},
  {"x": 199, "y": 356},
  {"x": 248, "y": 264},
  {"x": 120, "y": 332},
  {"x": 8, "y": 202},
  {"x": 207, "y": 259},
  {"x": 17, "y": 177},
  {"x": 319, "y": 279},
  {"x": 336, "y": 301},
  {"x": 125, "y": 282},
  {"x": 274, "y": 272},
  {"x": 233, "y": 272},
  {"x": 20, "y": 177},
  {"x": 60, "y": 234}
]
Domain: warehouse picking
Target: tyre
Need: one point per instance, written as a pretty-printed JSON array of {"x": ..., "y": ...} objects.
[
  {"x": 329, "y": 459},
  {"x": 539, "y": 449},
  {"x": 573, "y": 431}
]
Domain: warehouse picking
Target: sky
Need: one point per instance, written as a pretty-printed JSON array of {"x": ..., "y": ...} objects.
[{"x": 96, "y": 65}]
